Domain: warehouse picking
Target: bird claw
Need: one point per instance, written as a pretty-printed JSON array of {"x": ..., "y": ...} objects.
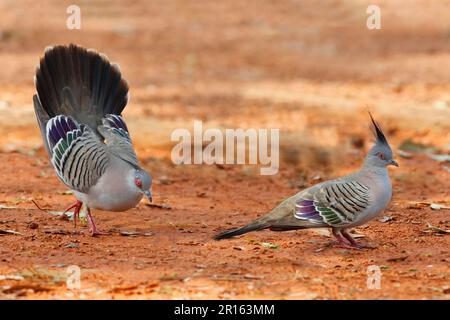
[
  {"x": 368, "y": 246},
  {"x": 346, "y": 241},
  {"x": 76, "y": 213},
  {"x": 348, "y": 246},
  {"x": 93, "y": 228},
  {"x": 337, "y": 244},
  {"x": 353, "y": 246}
]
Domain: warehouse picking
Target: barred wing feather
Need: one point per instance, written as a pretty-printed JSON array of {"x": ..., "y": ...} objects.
[
  {"x": 78, "y": 156},
  {"x": 117, "y": 138},
  {"x": 338, "y": 203}
]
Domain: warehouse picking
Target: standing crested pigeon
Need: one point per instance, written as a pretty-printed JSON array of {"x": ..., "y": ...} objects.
[
  {"x": 78, "y": 105},
  {"x": 340, "y": 204}
]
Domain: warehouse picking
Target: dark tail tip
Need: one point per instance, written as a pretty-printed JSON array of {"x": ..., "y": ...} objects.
[
  {"x": 239, "y": 231},
  {"x": 226, "y": 234}
]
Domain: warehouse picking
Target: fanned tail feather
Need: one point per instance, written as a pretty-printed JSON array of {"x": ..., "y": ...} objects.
[{"x": 77, "y": 82}]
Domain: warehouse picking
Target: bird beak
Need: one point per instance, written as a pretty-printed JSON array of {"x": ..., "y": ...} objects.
[
  {"x": 148, "y": 194},
  {"x": 393, "y": 162}
]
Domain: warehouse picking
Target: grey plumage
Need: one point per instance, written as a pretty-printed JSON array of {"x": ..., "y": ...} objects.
[
  {"x": 115, "y": 132},
  {"x": 78, "y": 105},
  {"x": 339, "y": 204},
  {"x": 79, "y": 157}
]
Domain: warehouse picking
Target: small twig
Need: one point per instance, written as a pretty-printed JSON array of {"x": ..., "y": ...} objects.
[
  {"x": 37, "y": 206},
  {"x": 436, "y": 229},
  {"x": 229, "y": 278}
]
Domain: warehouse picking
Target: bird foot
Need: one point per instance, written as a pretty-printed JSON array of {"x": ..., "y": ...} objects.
[
  {"x": 352, "y": 242},
  {"x": 76, "y": 213},
  {"x": 368, "y": 246},
  {"x": 353, "y": 246},
  {"x": 337, "y": 244},
  {"x": 93, "y": 228},
  {"x": 348, "y": 246}
]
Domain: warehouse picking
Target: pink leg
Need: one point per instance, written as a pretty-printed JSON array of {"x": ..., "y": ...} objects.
[
  {"x": 92, "y": 227},
  {"x": 354, "y": 243},
  {"x": 77, "y": 205},
  {"x": 345, "y": 241}
]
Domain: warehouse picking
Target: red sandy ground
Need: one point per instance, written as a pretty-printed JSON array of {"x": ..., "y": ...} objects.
[{"x": 311, "y": 71}]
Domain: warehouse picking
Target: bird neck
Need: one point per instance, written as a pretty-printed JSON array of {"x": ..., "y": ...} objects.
[{"x": 370, "y": 169}]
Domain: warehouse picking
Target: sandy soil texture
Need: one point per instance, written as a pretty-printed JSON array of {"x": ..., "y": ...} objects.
[{"x": 311, "y": 69}]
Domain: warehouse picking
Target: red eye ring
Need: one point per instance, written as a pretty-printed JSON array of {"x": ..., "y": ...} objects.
[
  {"x": 138, "y": 182},
  {"x": 380, "y": 155}
]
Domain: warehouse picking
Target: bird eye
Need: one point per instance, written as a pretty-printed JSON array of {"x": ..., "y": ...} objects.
[
  {"x": 138, "y": 182},
  {"x": 381, "y": 156}
]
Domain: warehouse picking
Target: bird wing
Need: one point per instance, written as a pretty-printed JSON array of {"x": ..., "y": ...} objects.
[
  {"x": 77, "y": 154},
  {"x": 337, "y": 203},
  {"x": 117, "y": 138}
]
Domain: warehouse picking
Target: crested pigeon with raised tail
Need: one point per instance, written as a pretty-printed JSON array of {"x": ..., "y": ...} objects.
[
  {"x": 78, "y": 105},
  {"x": 338, "y": 204}
]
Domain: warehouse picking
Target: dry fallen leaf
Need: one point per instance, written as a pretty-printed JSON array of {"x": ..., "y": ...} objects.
[
  {"x": 133, "y": 233},
  {"x": 356, "y": 235},
  {"x": 159, "y": 206},
  {"x": 10, "y": 232},
  {"x": 386, "y": 219},
  {"x": 72, "y": 245},
  {"x": 396, "y": 259},
  {"x": 69, "y": 214},
  {"x": 404, "y": 154},
  {"x": 439, "y": 157},
  {"x": 7, "y": 207},
  {"x": 61, "y": 232},
  {"x": 436, "y": 206},
  {"x": 20, "y": 287},
  {"x": 252, "y": 277},
  {"x": 124, "y": 288},
  {"x": 11, "y": 277},
  {"x": 418, "y": 204},
  {"x": 269, "y": 245}
]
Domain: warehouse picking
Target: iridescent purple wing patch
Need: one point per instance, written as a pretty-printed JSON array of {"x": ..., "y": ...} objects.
[
  {"x": 115, "y": 121},
  {"x": 116, "y": 124},
  {"x": 306, "y": 210}
]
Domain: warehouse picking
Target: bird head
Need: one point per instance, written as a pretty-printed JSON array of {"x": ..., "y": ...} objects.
[
  {"x": 381, "y": 153},
  {"x": 143, "y": 182}
]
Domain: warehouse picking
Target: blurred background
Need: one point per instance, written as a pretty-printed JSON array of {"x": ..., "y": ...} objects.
[{"x": 310, "y": 68}]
